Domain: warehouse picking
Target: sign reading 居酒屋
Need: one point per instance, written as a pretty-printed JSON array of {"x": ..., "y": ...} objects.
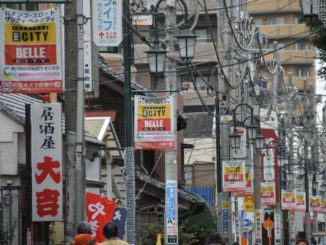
[
  {"x": 46, "y": 161},
  {"x": 154, "y": 123},
  {"x": 31, "y": 51},
  {"x": 234, "y": 176}
]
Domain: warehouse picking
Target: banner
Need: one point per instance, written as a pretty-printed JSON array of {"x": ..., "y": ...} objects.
[
  {"x": 46, "y": 161},
  {"x": 234, "y": 176},
  {"x": 323, "y": 206},
  {"x": 314, "y": 204},
  {"x": 171, "y": 198},
  {"x": 155, "y": 127},
  {"x": 248, "y": 203},
  {"x": 269, "y": 172},
  {"x": 300, "y": 201},
  {"x": 107, "y": 23},
  {"x": 31, "y": 51},
  {"x": 288, "y": 200},
  {"x": 99, "y": 211},
  {"x": 267, "y": 193}
]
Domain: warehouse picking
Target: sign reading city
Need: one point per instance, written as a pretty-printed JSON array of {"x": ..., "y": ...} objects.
[
  {"x": 31, "y": 51},
  {"x": 107, "y": 22},
  {"x": 46, "y": 161},
  {"x": 234, "y": 176},
  {"x": 154, "y": 123}
]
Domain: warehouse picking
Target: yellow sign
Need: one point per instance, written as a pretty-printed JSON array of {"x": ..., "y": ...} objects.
[
  {"x": 225, "y": 205},
  {"x": 248, "y": 203}
]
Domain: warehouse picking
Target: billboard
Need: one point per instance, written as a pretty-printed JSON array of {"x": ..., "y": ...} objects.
[
  {"x": 267, "y": 193},
  {"x": 31, "y": 51},
  {"x": 155, "y": 123},
  {"x": 234, "y": 176}
]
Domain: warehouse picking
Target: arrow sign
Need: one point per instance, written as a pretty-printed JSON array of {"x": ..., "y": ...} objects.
[{"x": 246, "y": 222}]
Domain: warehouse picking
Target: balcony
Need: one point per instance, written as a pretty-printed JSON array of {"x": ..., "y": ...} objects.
[
  {"x": 294, "y": 57},
  {"x": 298, "y": 82},
  {"x": 284, "y": 30},
  {"x": 268, "y": 6}
]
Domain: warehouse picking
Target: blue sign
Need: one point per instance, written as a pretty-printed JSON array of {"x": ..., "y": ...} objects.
[
  {"x": 246, "y": 222},
  {"x": 119, "y": 218}
]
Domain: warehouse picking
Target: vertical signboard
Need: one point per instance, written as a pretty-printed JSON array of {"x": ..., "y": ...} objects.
[
  {"x": 268, "y": 163},
  {"x": 88, "y": 72},
  {"x": 171, "y": 218},
  {"x": 288, "y": 200},
  {"x": 31, "y": 51},
  {"x": 154, "y": 123},
  {"x": 300, "y": 201},
  {"x": 107, "y": 22},
  {"x": 46, "y": 158},
  {"x": 267, "y": 193},
  {"x": 314, "y": 204},
  {"x": 226, "y": 219},
  {"x": 258, "y": 226},
  {"x": 278, "y": 226},
  {"x": 234, "y": 176}
]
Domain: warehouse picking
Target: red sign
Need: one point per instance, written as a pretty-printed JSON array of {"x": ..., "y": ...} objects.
[{"x": 99, "y": 211}]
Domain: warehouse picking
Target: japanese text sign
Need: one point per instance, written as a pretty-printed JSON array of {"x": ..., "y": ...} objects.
[
  {"x": 267, "y": 193},
  {"x": 234, "y": 176},
  {"x": 46, "y": 160},
  {"x": 99, "y": 211},
  {"x": 248, "y": 203},
  {"x": 288, "y": 200},
  {"x": 300, "y": 200},
  {"x": 269, "y": 173},
  {"x": 31, "y": 51},
  {"x": 314, "y": 203},
  {"x": 154, "y": 123},
  {"x": 107, "y": 22},
  {"x": 171, "y": 197}
]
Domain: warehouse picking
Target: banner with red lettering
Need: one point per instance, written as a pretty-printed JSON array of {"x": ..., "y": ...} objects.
[
  {"x": 234, "y": 176},
  {"x": 300, "y": 200},
  {"x": 30, "y": 45},
  {"x": 46, "y": 162},
  {"x": 288, "y": 200},
  {"x": 99, "y": 211},
  {"x": 155, "y": 127},
  {"x": 314, "y": 203},
  {"x": 267, "y": 193}
]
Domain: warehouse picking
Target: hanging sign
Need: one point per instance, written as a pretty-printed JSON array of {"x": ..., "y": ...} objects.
[
  {"x": 46, "y": 161},
  {"x": 323, "y": 206},
  {"x": 258, "y": 226},
  {"x": 314, "y": 204},
  {"x": 107, "y": 22},
  {"x": 267, "y": 193},
  {"x": 155, "y": 123},
  {"x": 99, "y": 211},
  {"x": 234, "y": 176},
  {"x": 288, "y": 200},
  {"x": 268, "y": 163},
  {"x": 248, "y": 203},
  {"x": 300, "y": 201},
  {"x": 31, "y": 51}
]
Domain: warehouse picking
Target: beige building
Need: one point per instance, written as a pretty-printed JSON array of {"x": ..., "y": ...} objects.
[{"x": 281, "y": 21}]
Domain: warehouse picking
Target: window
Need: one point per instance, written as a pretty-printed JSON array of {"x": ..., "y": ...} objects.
[
  {"x": 202, "y": 35},
  {"x": 258, "y": 21},
  {"x": 279, "y": 20},
  {"x": 303, "y": 72},
  {"x": 302, "y": 45},
  {"x": 201, "y": 85}
]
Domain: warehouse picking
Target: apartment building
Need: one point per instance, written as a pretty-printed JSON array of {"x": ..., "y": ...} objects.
[{"x": 281, "y": 20}]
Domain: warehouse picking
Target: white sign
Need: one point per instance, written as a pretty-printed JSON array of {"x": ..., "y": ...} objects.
[
  {"x": 88, "y": 71},
  {"x": 107, "y": 22},
  {"x": 258, "y": 226},
  {"x": 269, "y": 173},
  {"x": 46, "y": 160},
  {"x": 234, "y": 176},
  {"x": 171, "y": 216},
  {"x": 278, "y": 226}
]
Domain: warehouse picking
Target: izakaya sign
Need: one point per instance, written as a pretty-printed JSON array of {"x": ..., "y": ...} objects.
[
  {"x": 46, "y": 160},
  {"x": 154, "y": 123},
  {"x": 99, "y": 211},
  {"x": 234, "y": 176},
  {"x": 31, "y": 51}
]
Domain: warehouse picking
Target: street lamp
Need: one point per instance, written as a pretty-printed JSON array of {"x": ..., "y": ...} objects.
[{"x": 186, "y": 40}]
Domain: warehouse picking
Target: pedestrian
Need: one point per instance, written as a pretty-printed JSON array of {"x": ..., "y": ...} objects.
[
  {"x": 235, "y": 243},
  {"x": 302, "y": 242},
  {"x": 110, "y": 231},
  {"x": 84, "y": 237},
  {"x": 215, "y": 239}
]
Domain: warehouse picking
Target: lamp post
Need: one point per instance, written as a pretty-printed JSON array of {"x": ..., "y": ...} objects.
[
  {"x": 253, "y": 134},
  {"x": 160, "y": 64}
]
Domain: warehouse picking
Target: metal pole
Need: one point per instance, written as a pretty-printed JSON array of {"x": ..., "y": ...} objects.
[
  {"x": 171, "y": 166},
  {"x": 306, "y": 180},
  {"x": 129, "y": 157},
  {"x": 79, "y": 175}
]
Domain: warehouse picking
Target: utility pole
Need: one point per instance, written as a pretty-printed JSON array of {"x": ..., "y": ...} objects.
[
  {"x": 129, "y": 157},
  {"x": 74, "y": 116},
  {"x": 171, "y": 166}
]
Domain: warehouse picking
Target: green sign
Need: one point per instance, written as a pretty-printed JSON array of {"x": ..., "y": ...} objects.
[{"x": 35, "y": 1}]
